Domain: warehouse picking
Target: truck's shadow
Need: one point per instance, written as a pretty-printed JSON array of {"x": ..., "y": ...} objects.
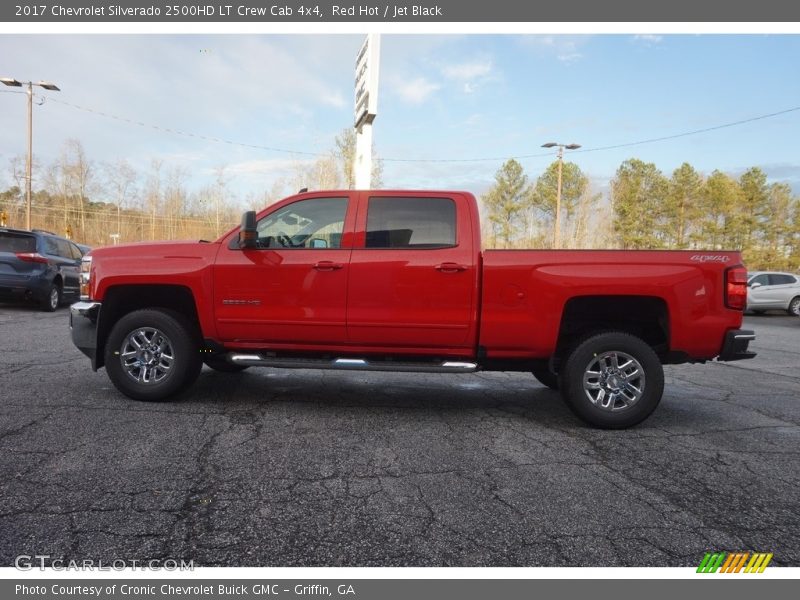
[{"x": 519, "y": 396}]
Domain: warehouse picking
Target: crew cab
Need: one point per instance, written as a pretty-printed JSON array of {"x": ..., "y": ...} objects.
[{"x": 397, "y": 281}]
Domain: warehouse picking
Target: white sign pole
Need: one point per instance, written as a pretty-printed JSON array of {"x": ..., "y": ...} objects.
[
  {"x": 366, "y": 107},
  {"x": 363, "y": 162}
]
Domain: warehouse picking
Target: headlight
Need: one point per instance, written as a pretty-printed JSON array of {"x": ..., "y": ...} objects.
[{"x": 86, "y": 275}]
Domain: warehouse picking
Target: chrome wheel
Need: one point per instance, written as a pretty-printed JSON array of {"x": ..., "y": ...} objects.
[
  {"x": 147, "y": 355},
  {"x": 613, "y": 381}
]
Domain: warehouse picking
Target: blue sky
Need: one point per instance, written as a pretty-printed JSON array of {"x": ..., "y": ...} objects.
[{"x": 441, "y": 97}]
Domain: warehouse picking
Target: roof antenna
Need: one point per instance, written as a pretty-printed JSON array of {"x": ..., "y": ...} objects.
[{"x": 302, "y": 190}]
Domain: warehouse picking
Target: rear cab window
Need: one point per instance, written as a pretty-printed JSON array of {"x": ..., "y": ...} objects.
[{"x": 412, "y": 223}]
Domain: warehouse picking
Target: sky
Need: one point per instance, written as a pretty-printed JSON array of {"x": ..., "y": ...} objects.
[{"x": 444, "y": 100}]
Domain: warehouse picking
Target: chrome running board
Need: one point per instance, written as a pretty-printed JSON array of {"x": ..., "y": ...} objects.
[{"x": 351, "y": 364}]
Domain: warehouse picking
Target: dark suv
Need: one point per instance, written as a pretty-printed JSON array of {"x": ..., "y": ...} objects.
[{"x": 39, "y": 266}]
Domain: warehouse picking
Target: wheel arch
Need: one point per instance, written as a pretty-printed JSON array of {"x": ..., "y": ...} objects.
[
  {"x": 646, "y": 317},
  {"x": 121, "y": 300}
]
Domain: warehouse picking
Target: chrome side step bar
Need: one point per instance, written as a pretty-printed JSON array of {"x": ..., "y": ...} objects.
[{"x": 351, "y": 364}]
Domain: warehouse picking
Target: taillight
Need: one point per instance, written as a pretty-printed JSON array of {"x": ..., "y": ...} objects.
[
  {"x": 33, "y": 257},
  {"x": 86, "y": 276},
  {"x": 736, "y": 288}
]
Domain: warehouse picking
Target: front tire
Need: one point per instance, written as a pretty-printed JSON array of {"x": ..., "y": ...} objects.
[
  {"x": 151, "y": 355},
  {"x": 612, "y": 380}
]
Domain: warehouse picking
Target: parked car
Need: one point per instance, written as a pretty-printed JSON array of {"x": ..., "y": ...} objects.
[
  {"x": 397, "y": 281},
  {"x": 38, "y": 266},
  {"x": 770, "y": 290}
]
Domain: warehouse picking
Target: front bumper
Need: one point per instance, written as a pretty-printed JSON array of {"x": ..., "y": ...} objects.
[
  {"x": 735, "y": 345},
  {"x": 83, "y": 317}
]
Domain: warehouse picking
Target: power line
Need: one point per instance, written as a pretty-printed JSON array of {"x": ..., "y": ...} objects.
[
  {"x": 427, "y": 160},
  {"x": 186, "y": 133},
  {"x": 695, "y": 132}
]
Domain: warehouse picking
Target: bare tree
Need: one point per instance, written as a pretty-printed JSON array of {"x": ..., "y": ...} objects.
[
  {"x": 80, "y": 171},
  {"x": 152, "y": 194},
  {"x": 121, "y": 177}
]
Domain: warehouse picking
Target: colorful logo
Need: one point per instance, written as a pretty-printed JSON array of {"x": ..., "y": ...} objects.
[{"x": 734, "y": 562}]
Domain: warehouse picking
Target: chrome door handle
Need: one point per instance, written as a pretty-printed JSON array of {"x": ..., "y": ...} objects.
[
  {"x": 327, "y": 265},
  {"x": 450, "y": 267}
]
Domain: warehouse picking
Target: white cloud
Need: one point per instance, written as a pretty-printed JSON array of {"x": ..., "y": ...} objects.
[
  {"x": 648, "y": 39},
  {"x": 469, "y": 74},
  {"x": 565, "y": 48},
  {"x": 416, "y": 91},
  {"x": 262, "y": 167},
  {"x": 468, "y": 71}
]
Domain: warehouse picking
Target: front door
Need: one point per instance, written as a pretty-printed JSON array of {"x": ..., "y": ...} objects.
[{"x": 291, "y": 290}]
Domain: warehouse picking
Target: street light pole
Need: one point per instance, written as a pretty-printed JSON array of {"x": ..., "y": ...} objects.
[
  {"x": 557, "y": 224},
  {"x": 29, "y": 163}
]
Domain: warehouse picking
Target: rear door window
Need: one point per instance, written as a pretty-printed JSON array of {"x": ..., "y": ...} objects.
[
  {"x": 779, "y": 279},
  {"x": 411, "y": 223},
  {"x": 64, "y": 249},
  {"x": 51, "y": 246},
  {"x": 16, "y": 242}
]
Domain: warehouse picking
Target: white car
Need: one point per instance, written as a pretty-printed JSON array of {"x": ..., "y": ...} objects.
[{"x": 768, "y": 290}]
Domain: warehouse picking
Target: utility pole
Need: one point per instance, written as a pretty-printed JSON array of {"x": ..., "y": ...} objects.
[
  {"x": 557, "y": 225},
  {"x": 29, "y": 164}
]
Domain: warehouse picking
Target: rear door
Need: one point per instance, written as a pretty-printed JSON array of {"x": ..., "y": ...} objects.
[
  {"x": 413, "y": 278},
  {"x": 782, "y": 289}
]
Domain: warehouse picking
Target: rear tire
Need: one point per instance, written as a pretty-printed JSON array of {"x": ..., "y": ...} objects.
[
  {"x": 52, "y": 299},
  {"x": 218, "y": 363},
  {"x": 152, "y": 354},
  {"x": 612, "y": 380},
  {"x": 794, "y": 307},
  {"x": 546, "y": 377}
]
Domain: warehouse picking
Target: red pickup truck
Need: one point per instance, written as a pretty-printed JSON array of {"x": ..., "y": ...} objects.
[{"x": 397, "y": 281}]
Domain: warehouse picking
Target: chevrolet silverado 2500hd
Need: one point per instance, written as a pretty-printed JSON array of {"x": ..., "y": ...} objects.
[{"x": 397, "y": 281}]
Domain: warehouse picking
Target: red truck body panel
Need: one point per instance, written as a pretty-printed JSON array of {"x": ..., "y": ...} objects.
[
  {"x": 452, "y": 301},
  {"x": 525, "y": 292}
]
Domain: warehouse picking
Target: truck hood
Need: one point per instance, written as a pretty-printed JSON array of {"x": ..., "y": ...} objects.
[{"x": 180, "y": 249}]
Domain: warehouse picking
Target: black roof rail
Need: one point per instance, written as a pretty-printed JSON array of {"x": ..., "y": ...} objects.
[{"x": 43, "y": 231}]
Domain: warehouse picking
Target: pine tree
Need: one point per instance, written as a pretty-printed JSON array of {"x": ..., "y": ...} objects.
[
  {"x": 639, "y": 190},
  {"x": 574, "y": 186},
  {"x": 506, "y": 204},
  {"x": 682, "y": 205}
]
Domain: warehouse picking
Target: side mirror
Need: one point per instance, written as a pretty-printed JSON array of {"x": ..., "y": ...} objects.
[
  {"x": 248, "y": 235},
  {"x": 755, "y": 285}
]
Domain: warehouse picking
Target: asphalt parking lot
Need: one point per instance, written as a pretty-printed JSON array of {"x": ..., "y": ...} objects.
[{"x": 305, "y": 468}]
